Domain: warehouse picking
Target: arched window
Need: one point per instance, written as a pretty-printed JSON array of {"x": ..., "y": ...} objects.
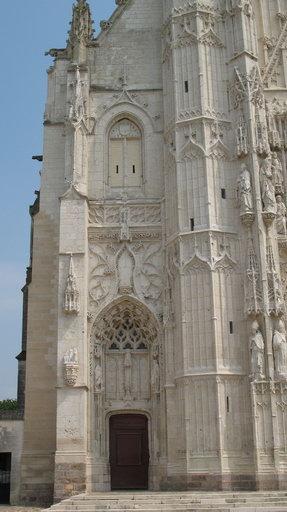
[{"x": 125, "y": 155}]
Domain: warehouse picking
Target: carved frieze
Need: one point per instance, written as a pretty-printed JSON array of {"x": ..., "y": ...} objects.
[{"x": 103, "y": 215}]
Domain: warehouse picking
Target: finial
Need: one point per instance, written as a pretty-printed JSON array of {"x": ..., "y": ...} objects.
[{"x": 81, "y": 32}]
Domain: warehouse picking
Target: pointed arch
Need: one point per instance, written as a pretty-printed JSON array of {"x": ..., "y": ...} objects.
[
  {"x": 121, "y": 313},
  {"x": 125, "y": 154}
]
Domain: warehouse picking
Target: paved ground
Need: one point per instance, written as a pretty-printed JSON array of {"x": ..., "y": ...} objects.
[{"x": 7, "y": 508}]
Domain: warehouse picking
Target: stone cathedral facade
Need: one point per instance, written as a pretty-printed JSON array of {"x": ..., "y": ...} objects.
[{"x": 157, "y": 298}]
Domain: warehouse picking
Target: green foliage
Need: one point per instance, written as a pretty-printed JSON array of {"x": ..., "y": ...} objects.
[{"x": 8, "y": 405}]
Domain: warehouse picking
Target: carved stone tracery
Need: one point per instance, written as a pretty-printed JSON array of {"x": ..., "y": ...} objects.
[{"x": 125, "y": 352}]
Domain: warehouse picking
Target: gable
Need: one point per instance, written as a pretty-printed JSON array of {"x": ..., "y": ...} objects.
[{"x": 131, "y": 35}]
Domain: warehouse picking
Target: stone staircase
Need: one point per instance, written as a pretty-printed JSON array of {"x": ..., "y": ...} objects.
[{"x": 175, "y": 501}]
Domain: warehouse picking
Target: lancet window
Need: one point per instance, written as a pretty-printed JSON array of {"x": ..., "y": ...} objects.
[{"x": 125, "y": 155}]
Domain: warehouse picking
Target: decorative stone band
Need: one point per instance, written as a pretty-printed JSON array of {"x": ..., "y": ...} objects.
[
  {"x": 274, "y": 387},
  {"x": 98, "y": 235}
]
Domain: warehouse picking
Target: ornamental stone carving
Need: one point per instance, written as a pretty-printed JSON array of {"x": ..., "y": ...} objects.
[
  {"x": 71, "y": 367},
  {"x": 102, "y": 272},
  {"x": 273, "y": 134},
  {"x": 262, "y": 144},
  {"x": 155, "y": 376},
  {"x": 253, "y": 291},
  {"x": 267, "y": 187},
  {"x": 71, "y": 300},
  {"x": 256, "y": 344},
  {"x": 280, "y": 351},
  {"x": 247, "y": 86},
  {"x": 127, "y": 336},
  {"x": 128, "y": 376},
  {"x": 241, "y": 139},
  {"x": 98, "y": 378},
  {"x": 275, "y": 47},
  {"x": 81, "y": 32}
]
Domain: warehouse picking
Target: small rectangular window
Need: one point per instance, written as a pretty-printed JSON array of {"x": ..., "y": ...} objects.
[
  {"x": 227, "y": 404},
  {"x": 231, "y": 330},
  {"x": 134, "y": 169},
  {"x": 223, "y": 193},
  {"x": 186, "y": 88},
  {"x": 191, "y": 224},
  {"x": 117, "y": 169}
]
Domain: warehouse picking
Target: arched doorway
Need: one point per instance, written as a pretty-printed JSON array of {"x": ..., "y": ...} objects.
[
  {"x": 126, "y": 379},
  {"x": 129, "y": 451}
]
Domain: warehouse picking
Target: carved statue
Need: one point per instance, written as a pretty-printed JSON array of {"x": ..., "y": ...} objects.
[
  {"x": 256, "y": 343},
  {"x": 71, "y": 356},
  {"x": 98, "y": 378},
  {"x": 273, "y": 134},
  {"x": 125, "y": 229},
  {"x": 155, "y": 376},
  {"x": 98, "y": 351},
  {"x": 280, "y": 351},
  {"x": 267, "y": 187},
  {"x": 77, "y": 107},
  {"x": 128, "y": 375},
  {"x": 71, "y": 299},
  {"x": 244, "y": 191},
  {"x": 277, "y": 172},
  {"x": 281, "y": 216}
]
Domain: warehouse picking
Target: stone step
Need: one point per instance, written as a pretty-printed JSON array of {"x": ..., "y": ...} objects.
[
  {"x": 126, "y": 505},
  {"x": 182, "y": 501},
  {"x": 175, "y": 502},
  {"x": 178, "y": 509},
  {"x": 142, "y": 495},
  {"x": 211, "y": 508}
]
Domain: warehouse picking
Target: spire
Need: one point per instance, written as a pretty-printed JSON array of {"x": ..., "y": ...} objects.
[{"x": 81, "y": 32}]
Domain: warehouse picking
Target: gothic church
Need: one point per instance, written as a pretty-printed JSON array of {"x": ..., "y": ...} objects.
[{"x": 155, "y": 343}]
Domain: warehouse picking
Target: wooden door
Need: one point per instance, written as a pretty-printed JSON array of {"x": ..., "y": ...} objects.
[{"x": 129, "y": 453}]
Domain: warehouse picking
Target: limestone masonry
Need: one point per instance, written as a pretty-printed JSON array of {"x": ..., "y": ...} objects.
[{"x": 154, "y": 340}]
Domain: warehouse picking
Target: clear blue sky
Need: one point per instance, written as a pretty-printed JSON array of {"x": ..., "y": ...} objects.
[{"x": 27, "y": 29}]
